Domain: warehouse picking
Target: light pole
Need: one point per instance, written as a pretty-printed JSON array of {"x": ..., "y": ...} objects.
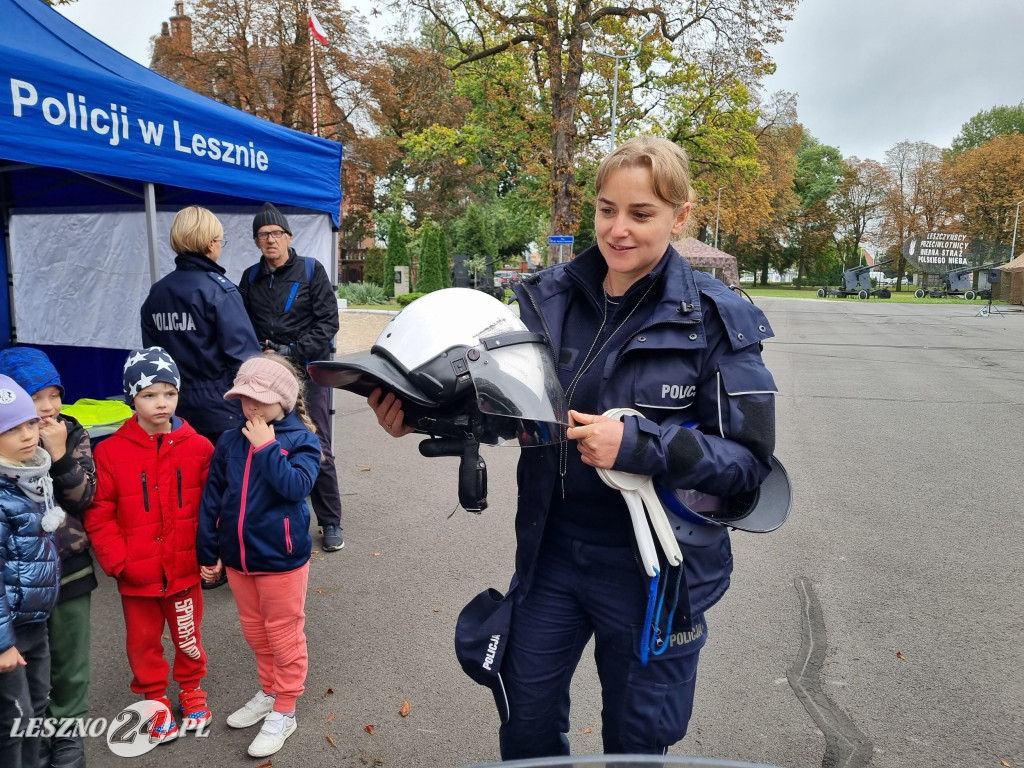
[
  {"x": 590, "y": 34},
  {"x": 718, "y": 214},
  {"x": 1013, "y": 243}
]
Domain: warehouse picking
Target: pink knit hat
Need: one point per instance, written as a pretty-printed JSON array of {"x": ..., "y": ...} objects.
[{"x": 265, "y": 381}]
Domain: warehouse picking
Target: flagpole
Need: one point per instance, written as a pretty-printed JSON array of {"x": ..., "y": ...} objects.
[{"x": 312, "y": 69}]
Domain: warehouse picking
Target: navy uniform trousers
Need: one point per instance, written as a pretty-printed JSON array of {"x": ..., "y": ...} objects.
[{"x": 581, "y": 590}]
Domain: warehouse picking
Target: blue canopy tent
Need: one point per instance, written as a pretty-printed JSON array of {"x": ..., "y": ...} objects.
[{"x": 83, "y": 127}]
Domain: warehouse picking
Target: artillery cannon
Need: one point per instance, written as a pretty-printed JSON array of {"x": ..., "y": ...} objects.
[
  {"x": 857, "y": 282},
  {"x": 958, "y": 282}
]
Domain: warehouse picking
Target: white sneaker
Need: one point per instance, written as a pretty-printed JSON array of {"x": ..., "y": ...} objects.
[
  {"x": 276, "y": 728},
  {"x": 255, "y": 709}
]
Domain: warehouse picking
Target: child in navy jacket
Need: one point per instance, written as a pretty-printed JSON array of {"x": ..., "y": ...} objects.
[{"x": 254, "y": 521}]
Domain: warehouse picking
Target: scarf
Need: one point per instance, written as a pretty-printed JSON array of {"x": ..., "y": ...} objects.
[{"x": 33, "y": 478}]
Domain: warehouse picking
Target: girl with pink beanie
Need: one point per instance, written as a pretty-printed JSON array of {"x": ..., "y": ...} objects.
[{"x": 254, "y": 521}]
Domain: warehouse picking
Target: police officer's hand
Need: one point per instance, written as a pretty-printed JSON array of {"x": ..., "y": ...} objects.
[
  {"x": 597, "y": 437},
  {"x": 258, "y": 432},
  {"x": 54, "y": 436},
  {"x": 390, "y": 415}
]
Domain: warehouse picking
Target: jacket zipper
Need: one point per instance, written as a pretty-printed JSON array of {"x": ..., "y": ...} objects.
[
  {"x": 179, "y": 487},
  {"x": 288, "y": 535},
  {"x": 145, "y": 493},
  {"x": 241, "y": 511}
]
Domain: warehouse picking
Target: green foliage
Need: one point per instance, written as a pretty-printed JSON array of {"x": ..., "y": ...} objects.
[
  {"x": 397, "y": 255},
  {"x": 988, "y": 124},
  {"x": 444, "y": 258},
  {"x": 429, "y": 276},
  {"x": 373, "y": 266},
  {"x": 474, "y": 233},
  {"x": 405, "y": 299},
  {"x": 362, "y": 293}
]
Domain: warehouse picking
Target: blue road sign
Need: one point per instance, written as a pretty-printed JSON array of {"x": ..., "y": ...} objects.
[{"x": 560, "y": 239}]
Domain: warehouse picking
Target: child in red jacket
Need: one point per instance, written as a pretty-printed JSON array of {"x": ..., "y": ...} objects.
[{"x": 150, "y": 477}]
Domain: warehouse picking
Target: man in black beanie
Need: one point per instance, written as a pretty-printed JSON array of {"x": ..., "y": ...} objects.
[{"x": 294, "y": 312}]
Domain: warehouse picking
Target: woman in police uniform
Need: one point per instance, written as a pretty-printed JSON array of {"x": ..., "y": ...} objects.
[
  {"x": 197, "y": 315},
  {"x": 631, "y": 325}
]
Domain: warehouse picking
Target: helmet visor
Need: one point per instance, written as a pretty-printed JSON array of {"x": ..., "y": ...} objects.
[{"x": 515, "y": 381}]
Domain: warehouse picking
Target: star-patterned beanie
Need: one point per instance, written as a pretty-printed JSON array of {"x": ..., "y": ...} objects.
[{"x": 145, "y": 367}]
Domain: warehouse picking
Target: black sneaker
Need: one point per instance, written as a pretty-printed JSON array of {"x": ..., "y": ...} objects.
[{"x": 332, "y": 538}]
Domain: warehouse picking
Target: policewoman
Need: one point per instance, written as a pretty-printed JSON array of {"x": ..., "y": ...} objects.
[
  {"x": 630, "y": 325},
  {"x": 198, "y": 316}
]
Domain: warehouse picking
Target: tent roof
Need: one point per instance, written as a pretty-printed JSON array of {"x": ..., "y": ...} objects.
[
  {"x": 701, "y": 254},
  {"x": 69, "y": 101},
  {"x": 1016, "y": 265}
]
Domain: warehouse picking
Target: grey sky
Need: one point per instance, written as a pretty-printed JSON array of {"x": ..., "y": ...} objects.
[{"x": 868, "y": 73}]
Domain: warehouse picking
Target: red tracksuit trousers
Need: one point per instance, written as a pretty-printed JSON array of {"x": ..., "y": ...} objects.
[{"x": 145, "y": 618}]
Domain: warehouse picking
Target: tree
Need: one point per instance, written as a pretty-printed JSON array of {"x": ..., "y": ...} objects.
[
  {"x": 254, "y": 55},
  {"x": 919, "y": 195},
  {"x": 429, "y": 276},
  {"x": 444, "y": 258},
  {"x": 819, "y": 169},
  {"x": 397, "y": 253},
  {"x": 990, "y": 181},
  {"x": 373, "y": 266},
  {"x": 758, "y": 213},
  {"x": 988, "y": 124},
  {"x": 550, "y": 37},
  {"x": 474, "y": 233},
  {"x": 861, "y": 196}
]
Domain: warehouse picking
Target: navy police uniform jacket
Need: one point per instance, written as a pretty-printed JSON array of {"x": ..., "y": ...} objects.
[
  {"x": 695, "y": 359},
  {"x": 198, "y": 316},
  {"x": 254, "y": 514}
]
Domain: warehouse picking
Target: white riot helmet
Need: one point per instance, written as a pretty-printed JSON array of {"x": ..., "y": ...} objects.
[{"x": 467, "y": 371}]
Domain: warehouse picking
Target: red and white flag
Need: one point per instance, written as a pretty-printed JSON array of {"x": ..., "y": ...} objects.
[{"x": 316, "y": 30}]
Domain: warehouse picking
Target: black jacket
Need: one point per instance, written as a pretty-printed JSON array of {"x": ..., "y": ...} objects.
[
  {"x": 197, "y": 315},
  {"x": 287, "y": 309}
]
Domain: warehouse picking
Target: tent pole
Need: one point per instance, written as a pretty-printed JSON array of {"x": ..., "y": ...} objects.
[{"x": 150, "y": 195}]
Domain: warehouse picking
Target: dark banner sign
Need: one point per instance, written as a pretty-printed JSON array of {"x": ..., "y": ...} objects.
[{"x": 938, "y": 251}]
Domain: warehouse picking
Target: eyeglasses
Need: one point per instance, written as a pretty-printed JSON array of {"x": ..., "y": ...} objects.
[
  {"x": 277, "y": 234},
  {"x": 222, "y": 240}
]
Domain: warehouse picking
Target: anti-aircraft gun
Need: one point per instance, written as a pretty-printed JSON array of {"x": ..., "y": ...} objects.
[
  {"x": 958, "y": 282},
  {"x": 857, "y": 282}
]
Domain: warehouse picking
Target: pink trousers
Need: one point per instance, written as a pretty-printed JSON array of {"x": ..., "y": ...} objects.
[{"x": 272, "y": 610}]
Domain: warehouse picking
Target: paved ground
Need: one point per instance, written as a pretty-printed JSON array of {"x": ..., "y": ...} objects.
[{"x": 880, "y": 626}]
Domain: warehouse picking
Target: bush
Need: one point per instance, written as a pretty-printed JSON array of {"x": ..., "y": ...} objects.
[
  {"x": 362, "y": 293},
  {"x": 407, "y": 298}
]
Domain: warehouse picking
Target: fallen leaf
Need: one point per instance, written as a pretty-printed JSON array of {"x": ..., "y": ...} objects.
[
  {"x": 437, "y": 610},
  {"x": 320, "y": 558},
  {"x": 376, "y": 554},
  {"x": 268, "y": 764},
  {"x": 586, "y": 730},
  {"x": 1005, "y": 763},
  {"x": 369, "y": 729},
  {"x": 899, "y": 655},
  {"x": 364, "y": 469},
  {"x": 331, "y": 717},
  {"x": 319, "y": 590},
  {"x": 330, "y": 740},
  {"x": 432, "y": 677},
  {"x": 166, "y": 637},
  {"x": 329, "y": 692},
  {"x": 315, "y": 552},
  {"x": 405, "y": 710}
]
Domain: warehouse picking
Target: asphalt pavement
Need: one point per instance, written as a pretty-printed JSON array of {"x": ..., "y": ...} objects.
[{"x": 881, "y": 626}]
